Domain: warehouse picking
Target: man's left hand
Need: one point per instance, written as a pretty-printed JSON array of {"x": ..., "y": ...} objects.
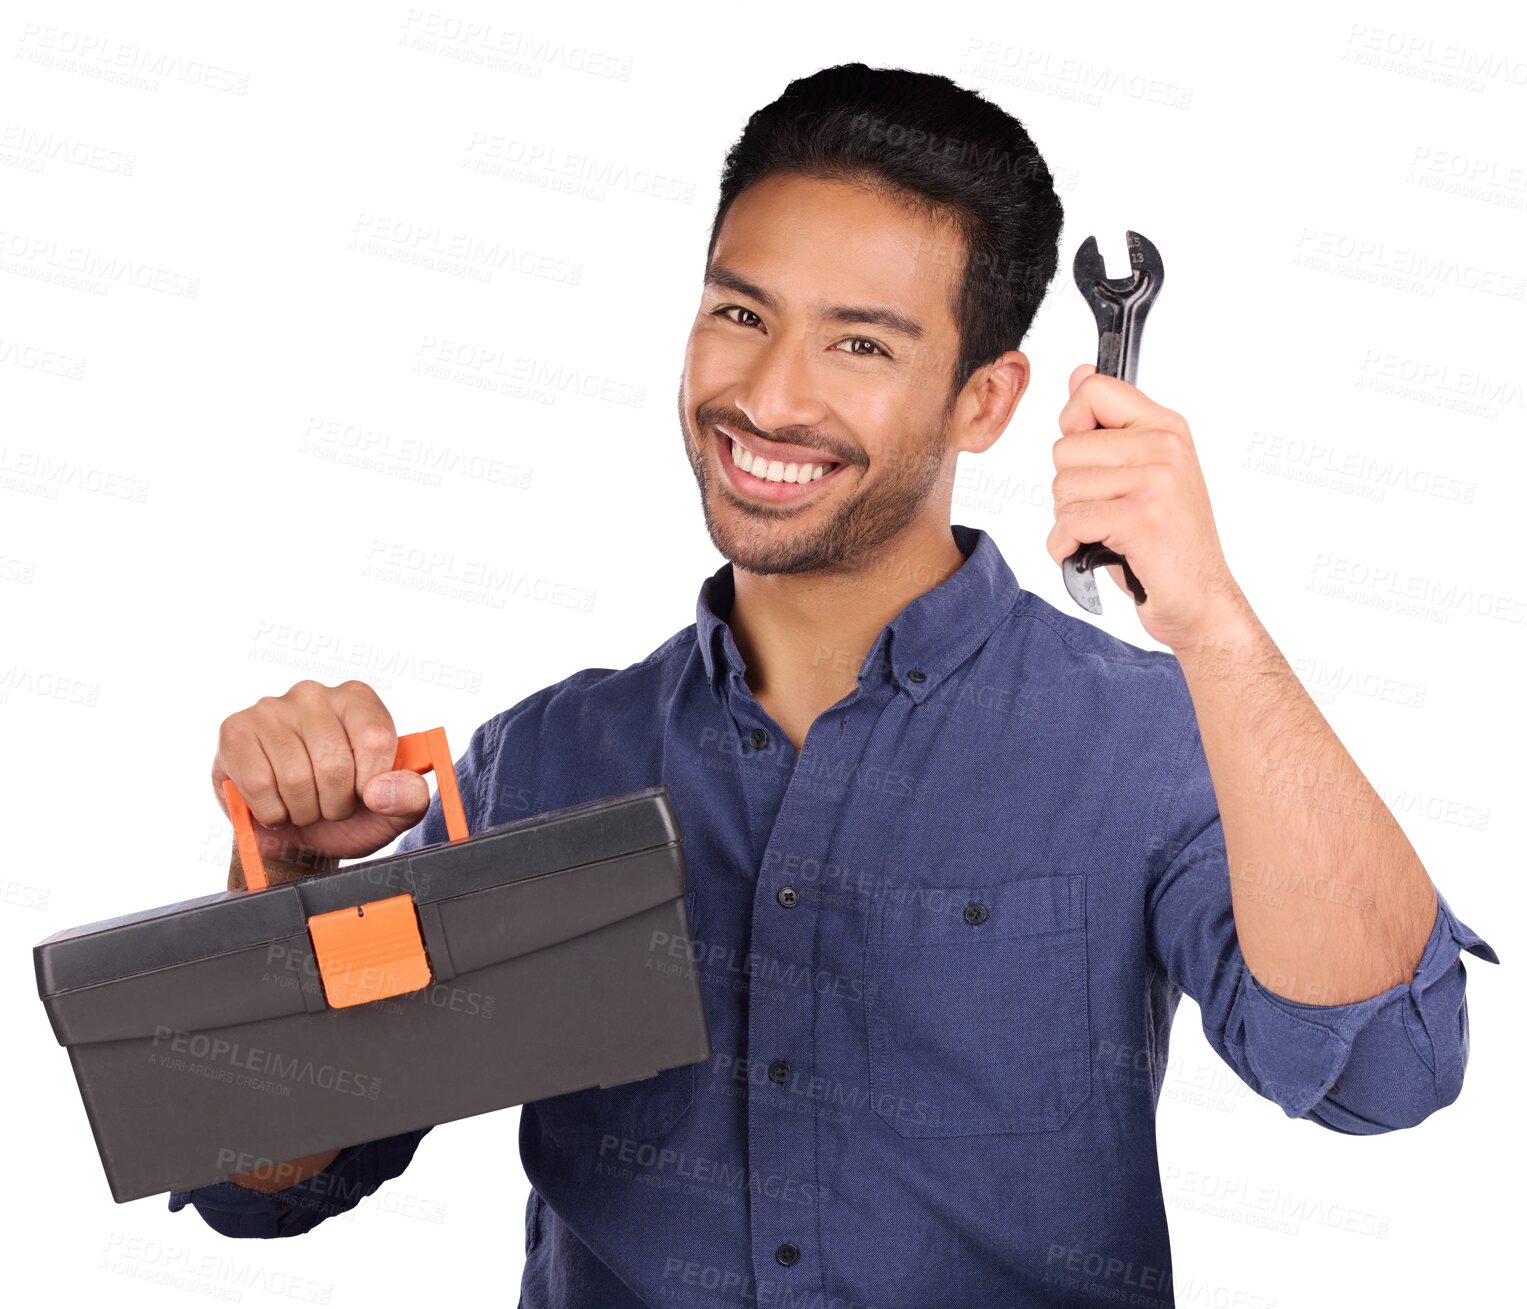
[{"x": 1128, "y": 476}]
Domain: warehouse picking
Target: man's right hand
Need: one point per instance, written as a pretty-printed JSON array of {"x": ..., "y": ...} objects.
[{"x": 315, "y": 768}]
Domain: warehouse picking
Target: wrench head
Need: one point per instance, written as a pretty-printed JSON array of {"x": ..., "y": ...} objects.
[
  {"x": 1101, "y": 291},
  {"x": 1081, "y": 585}
]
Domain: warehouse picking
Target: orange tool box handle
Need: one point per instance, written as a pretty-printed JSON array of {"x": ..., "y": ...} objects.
[{"x": 420, "y": 752}]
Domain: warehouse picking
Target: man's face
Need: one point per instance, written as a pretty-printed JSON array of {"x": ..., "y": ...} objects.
[{"x": 816, "y": 375}]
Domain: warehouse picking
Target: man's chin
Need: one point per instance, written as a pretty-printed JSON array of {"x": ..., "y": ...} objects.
[{"x": 768, "y": 548}]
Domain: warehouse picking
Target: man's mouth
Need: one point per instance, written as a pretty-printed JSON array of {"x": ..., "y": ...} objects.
[{"x": 757, "y": 469}]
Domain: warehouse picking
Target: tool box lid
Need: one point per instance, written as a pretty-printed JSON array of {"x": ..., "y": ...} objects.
[{"x": 210, "y": 926}]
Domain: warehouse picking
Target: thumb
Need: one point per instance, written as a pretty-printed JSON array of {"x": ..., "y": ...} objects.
[
  {"x": 1079, "y": 374},
  {"x": 401, "y": 793}
]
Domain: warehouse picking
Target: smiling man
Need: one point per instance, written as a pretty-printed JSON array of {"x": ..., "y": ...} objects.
[{"x": 954, "y": 855}]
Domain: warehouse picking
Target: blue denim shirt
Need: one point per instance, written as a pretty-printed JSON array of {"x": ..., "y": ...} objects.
[{"x": 940, "y": 950}]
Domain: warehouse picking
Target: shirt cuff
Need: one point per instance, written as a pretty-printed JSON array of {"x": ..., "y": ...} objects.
[
  {"x": 354, "y": 1173},
  {"x": 1374, "y": 1065},
  {"x": 234, "y": 1210}
]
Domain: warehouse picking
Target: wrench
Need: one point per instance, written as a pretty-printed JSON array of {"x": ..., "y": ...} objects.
[{"x": 1120, "y": 305}]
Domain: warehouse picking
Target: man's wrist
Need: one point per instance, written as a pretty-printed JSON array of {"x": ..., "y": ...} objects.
[
  {"x": 295, "y": 865},
  {"x": 281, "y": 1176},
  {"x": 1229, "y": 635}
]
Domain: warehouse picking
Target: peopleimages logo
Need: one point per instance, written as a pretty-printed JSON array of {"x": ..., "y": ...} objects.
[{"x": 266, "y": 1063}]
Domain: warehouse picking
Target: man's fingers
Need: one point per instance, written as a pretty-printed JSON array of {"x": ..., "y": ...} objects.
[
  {"x": 1117, "y": 446},
  {"x": 1098, "y": 400},
  {"x": 296, "y": 787},
  {"x": 1091, "y": 482},
  {"x": 295, "y": 763},
  {"x": 1111, "y": 522},
  {"x": 244, "y": 758},
  {"x": 398, "y": 794},
  {"x": 331, "y": 759},
  {"x": 372, "y": 735}
]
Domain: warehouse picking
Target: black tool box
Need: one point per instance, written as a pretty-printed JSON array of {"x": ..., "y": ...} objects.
[{"x": 221, "y": 1034}]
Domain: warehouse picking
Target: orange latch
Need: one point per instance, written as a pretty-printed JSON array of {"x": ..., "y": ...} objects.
[
  {"x": 420, "y": 752},
  {"x": 370, "y": 951}
]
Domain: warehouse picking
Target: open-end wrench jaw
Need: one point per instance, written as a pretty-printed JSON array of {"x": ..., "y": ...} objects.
[{"x": 1119, "y": 304}]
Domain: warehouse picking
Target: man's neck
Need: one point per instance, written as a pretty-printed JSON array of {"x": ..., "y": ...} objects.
[{"x": 804, "y": 636}]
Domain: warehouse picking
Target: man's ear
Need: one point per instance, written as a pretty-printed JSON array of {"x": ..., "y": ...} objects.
[{"x": 985, "y": 406}]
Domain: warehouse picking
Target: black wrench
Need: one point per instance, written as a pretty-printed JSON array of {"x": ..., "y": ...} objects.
[{"x": 1120, "y": 305}]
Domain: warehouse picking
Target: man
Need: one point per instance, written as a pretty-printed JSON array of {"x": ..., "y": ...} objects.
[{"x": 952, "y": 851}]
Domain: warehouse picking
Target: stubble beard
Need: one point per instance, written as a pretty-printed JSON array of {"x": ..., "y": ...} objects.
[{"x": 856, "y": 527}]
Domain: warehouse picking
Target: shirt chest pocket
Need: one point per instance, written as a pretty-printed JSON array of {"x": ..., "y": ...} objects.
[
  {"x": 636, "y": 1111},
  {"x": 976, "y": 1006}
]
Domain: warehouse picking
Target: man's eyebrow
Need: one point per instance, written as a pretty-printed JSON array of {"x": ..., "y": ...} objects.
[
  {"x": 879, "y": 315},
  {"x": 718, "y": 275}
]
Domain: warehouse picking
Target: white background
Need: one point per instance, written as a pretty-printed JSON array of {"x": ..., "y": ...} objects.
[{"x": 193, "y": 488}]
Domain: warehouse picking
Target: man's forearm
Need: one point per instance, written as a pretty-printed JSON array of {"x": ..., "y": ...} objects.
[{"x": 1332, "y": 905}]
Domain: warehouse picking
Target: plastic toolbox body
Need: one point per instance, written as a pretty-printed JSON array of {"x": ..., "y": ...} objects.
[{"x": 209, "y": 1037}]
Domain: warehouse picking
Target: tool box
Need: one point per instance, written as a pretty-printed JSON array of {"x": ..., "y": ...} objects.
[{"x": 539, "y": 957}]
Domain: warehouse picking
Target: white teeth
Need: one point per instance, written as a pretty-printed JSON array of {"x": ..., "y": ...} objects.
[{"x": 775, "y": 470}]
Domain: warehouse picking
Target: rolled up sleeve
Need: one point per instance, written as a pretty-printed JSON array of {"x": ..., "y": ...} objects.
[
  {"x": 1376, "y": 1065},
  {"x": 1372, "y": 1066}
]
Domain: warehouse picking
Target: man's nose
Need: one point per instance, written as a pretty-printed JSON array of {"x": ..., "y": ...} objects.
[{"x": 779, "y": 389}]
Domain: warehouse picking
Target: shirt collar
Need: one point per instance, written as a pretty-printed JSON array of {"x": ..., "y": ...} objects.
[{"x": 919, "y": 648}]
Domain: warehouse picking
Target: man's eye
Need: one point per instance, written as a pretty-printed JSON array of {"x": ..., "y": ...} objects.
[
  {"x": 874, "y": 346},
  {"x": 729, "y": 310}
]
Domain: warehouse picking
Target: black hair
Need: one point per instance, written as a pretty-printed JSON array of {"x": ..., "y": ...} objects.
[{"x": 922, "y": 140}]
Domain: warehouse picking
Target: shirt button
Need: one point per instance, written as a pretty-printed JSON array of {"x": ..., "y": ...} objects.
[
  {"x": 788, "y": 896},
  {"x": 787, "y": 1254},
  {"x": 779, "y": 1071},
  {"x": 975, "y": 913},
  {"x": 758, "y": 738},
  {"x": 916, "y": 675}
]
